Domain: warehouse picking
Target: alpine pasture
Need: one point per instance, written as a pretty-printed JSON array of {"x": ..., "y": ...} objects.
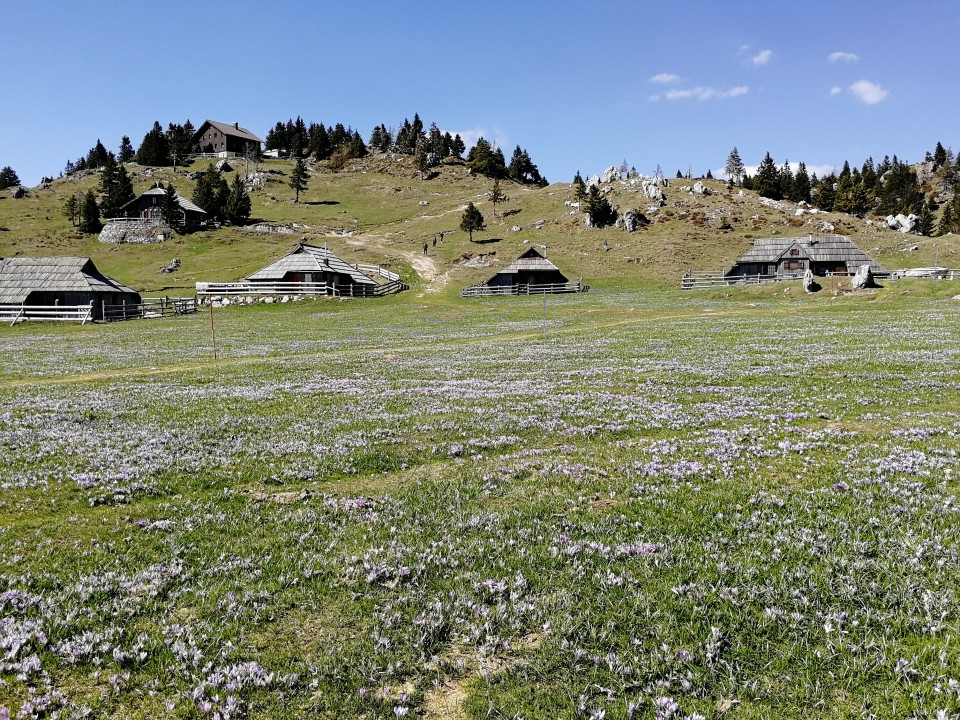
[{"x": 654, "y": 504}]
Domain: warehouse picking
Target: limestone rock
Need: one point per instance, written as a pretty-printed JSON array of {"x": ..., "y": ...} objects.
[
  {"x": 700, "y": 189},
  {"x": 809, "y": 284},
  {"x": 611, "y": 174},
  {"x": 515, "y": 228},
  {"x": 863, "y": 278},
  {"x": 223, "y": 166},
  {"x": 172, "y": 267},
  {"x": 901, "y": 223},
  {"x": 826, "y": 227}
]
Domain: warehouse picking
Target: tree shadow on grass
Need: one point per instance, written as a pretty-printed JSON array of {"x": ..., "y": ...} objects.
[{"x": 320, "y": 202}]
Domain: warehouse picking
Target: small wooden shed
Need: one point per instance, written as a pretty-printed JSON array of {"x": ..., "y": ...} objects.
[
  {"x": 821, "y": 254},
  {"x": 47, "y": 281},
  {"x": 311, "y": 264}
]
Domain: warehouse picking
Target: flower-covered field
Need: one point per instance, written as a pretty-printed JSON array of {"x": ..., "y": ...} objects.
[{"x": 667, "y": 507}]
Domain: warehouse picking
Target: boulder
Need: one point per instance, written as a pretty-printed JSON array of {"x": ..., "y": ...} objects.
[
  {"x": 515, "y": 228},
  {"x": 863, "y": 279},
  {"x": 901, "y": 223},
  {"x": 809, "y": 284},
  {"x": 700, "y": 189},
  {"x": 588, "y": 220},
  {"x": 826, "y": 227},
  {"x": 632, "y": 220},
  {"x": 223, "y": 166},
  {"x": 610, "y": 175},
  {"x": 173, "y": 266}
]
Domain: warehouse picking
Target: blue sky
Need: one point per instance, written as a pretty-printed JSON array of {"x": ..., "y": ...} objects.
[{"x": 580, "y": 85}]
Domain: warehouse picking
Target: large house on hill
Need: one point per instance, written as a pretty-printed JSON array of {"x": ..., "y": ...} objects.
[
  {"x": 224, "y": 139},
  {"x": 821, "y": 254}
]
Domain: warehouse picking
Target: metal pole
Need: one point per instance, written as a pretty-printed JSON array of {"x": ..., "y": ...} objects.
[
  {"x": 213, "y": 334},
  {"x": 544, "y": 316}
]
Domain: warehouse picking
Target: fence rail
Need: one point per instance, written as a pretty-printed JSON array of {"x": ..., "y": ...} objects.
[
  {"x": 544, "y": 289},
  {"x": 150, "y": 308},
  {"x": 698, "y": 281},
  {"x": 68, "y": 313}
]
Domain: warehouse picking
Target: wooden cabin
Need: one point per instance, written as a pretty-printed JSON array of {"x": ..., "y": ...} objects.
[
  {"x": 48, "y": 281},
  {"x": 224, "y": 139},
  {"x": 311, "y": 264},
  {"x": 821, "y": 254},
  {"x": 531, "y": 268},
  {"x": 147, "y": 207}
]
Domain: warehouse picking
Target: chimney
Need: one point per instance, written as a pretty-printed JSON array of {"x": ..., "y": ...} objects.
[{"x": 236, "y": 125}]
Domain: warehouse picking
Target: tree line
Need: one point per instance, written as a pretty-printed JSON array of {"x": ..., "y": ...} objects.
[{"x": 890, "y": 187}]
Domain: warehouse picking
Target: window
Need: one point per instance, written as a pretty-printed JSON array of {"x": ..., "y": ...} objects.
[
  {"x": 794, "y": 252},
  {"x": 793, "y": 265}
]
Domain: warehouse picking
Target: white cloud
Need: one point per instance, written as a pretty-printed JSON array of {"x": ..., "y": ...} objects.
[
  {"x": 471, "y": 136},
  {"x": 868, "y": 92},
  {"x": 847, "y": 57},
  {"x": 762, "y": 57},
  {"x": 820, "y": 170},
  {"x": 706, "y": 93},
  {"x": 836, "y": 90},
  {"x": 654, "y": 98},
  {"x": 665, "y": 78}
]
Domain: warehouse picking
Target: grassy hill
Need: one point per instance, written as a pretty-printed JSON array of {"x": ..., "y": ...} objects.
[{"x": 377, "y": 209}]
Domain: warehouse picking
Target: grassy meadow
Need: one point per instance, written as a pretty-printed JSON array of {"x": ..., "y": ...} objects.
[{"x": 656, "y": 504}]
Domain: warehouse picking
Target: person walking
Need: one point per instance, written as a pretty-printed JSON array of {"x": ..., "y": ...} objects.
[{"x": 424, "y": 248}]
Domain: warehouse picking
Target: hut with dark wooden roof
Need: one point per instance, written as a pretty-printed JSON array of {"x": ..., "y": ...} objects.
[
  {"x": 821, "y": 254},
  {"x": 147, "y": 207},
  {"x": 529, "y": 273},
  {"x": 46, "y": 281},
  {"x": 311, "y": 264}
]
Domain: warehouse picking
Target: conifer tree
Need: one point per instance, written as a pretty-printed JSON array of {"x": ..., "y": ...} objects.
[
  {"x": 767, "y": 180},
  {"x": 925, "y": 220},
  {"x": 8, "y": 178},
  {"x": 939, "y": 156},
  {"x": 238, "y": 206},
  {"x": 471, "y": 220},
  {"x": 734, "y": 168},
  {"x": 116, "y": 190},
  {"x": 599, "y": 209},
  {"x": 89, "y": 214},
  {"x": 71, "y": 208},
  {"x": 211, "y": 192},
  {"x": 801, "y": 185},
  {"x": 457, "y": 148},
  {"x": 298, "y": 179},
  {"x": 579, "y": 188},
  {"x": 126, "y": 153},
  {"x": 170, "y": 211},
  {"x": 946, "y": 223},
  {"x": 154, "y": 150},
  {"x": 497, "y": 195}
]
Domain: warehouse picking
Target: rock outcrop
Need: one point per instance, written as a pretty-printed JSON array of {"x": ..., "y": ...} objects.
[{"x": 863, "y": 279}]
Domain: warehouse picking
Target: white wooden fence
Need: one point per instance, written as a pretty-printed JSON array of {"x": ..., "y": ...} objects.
[
  {"x": 68, "y": 313},
  {"x": 544, "y": 289}
]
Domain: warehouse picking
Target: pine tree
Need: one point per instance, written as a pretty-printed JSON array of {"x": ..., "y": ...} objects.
[
  {"x": 925, "y": 220},
  {"x": 154, "y": 150},
  {"x": 484, "y": 159},
  {"x": 599, "y": 209},
  {"x": 497, "y": 195},
  {"x": 298, "y": 179},
  {"x": 945, "y": 225},
  {"x": 116, "y": 190},
  {"x": 8, "y": 178},
  {"x": 801, "y": 185},
  {"x": 277, "y": 138},
  {"x": 170, "y": 211},
  {"x": 457, "y": 148},
  {"x": 71, "y": 208},
  {"x": 89, "y": 214},
  {"x": 709, "y": 175},
  {"x": 238, "y": 206},
  {"x": 939, "y": 156},
  {"x": 767, "y": 180},
  {"x": 734, "y": 168},
  {"x": 785, "y": 181},
  {"x": 126, "y": 153},
  {"x": 579, "y": 188},
  {"x": 472, "y": 220},
  {"x": 211, "y": 192}
]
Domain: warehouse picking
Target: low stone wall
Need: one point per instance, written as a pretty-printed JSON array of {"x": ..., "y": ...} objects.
[
  {"x": 219, "y": 301},
  {"x": 139, "y": 233}
]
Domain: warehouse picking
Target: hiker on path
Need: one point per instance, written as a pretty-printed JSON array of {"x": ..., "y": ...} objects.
[{"x": 424, "y": 248}]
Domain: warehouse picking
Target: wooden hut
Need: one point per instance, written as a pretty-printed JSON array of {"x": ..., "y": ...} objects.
[
  {"x": 312, "y": 264},
  {"x": 821, "y": 254},
  {"x": 529, "y": 273},
  {"x": 60, "y": 281},
  {"x": 147, "y": 207},
  {"x": 224, "y": 139}
]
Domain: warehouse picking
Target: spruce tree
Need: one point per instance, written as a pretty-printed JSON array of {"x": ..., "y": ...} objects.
[
  {"x": 457, "y": 148},
  {"x": 97, "y": 155},
  {"x": 945, "y": 225},
  {"x": 211, "y": 192},
  {"x": 170, "y": 211},
  {"x": 734, "y": 168},
  {"x": 126, "y": 153},
  {"x": 925, "y": 220},
  {"x": 298, "y": 179},
  {"x": 579, "y": 188},
  {"x": 939, "y": 156},
  {"x": 801, "y": 184},
  {"x": 154, "y": 150},
  {"x": 89, "y": 214},
  {"x": 71, "y": 208},
  {"x": 8, "y": 178},
  {"x": 471, "y": 220},
  {"x": 238, "y": 206},
  {"x": 767, "y": 180},
  {"x": 599, "y": 209},
  {"x": 497, "y": 195}
]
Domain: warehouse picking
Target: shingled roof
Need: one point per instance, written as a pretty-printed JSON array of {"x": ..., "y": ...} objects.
[
  {"x": 309, "y": 258},
  {"x": 819, "y": 248},
  {"x": 181, "y": 201},
  {"x": 20, "y": 276},
  {"x": 227, "y": 129},
  {"x": 530, "y": 261}
]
